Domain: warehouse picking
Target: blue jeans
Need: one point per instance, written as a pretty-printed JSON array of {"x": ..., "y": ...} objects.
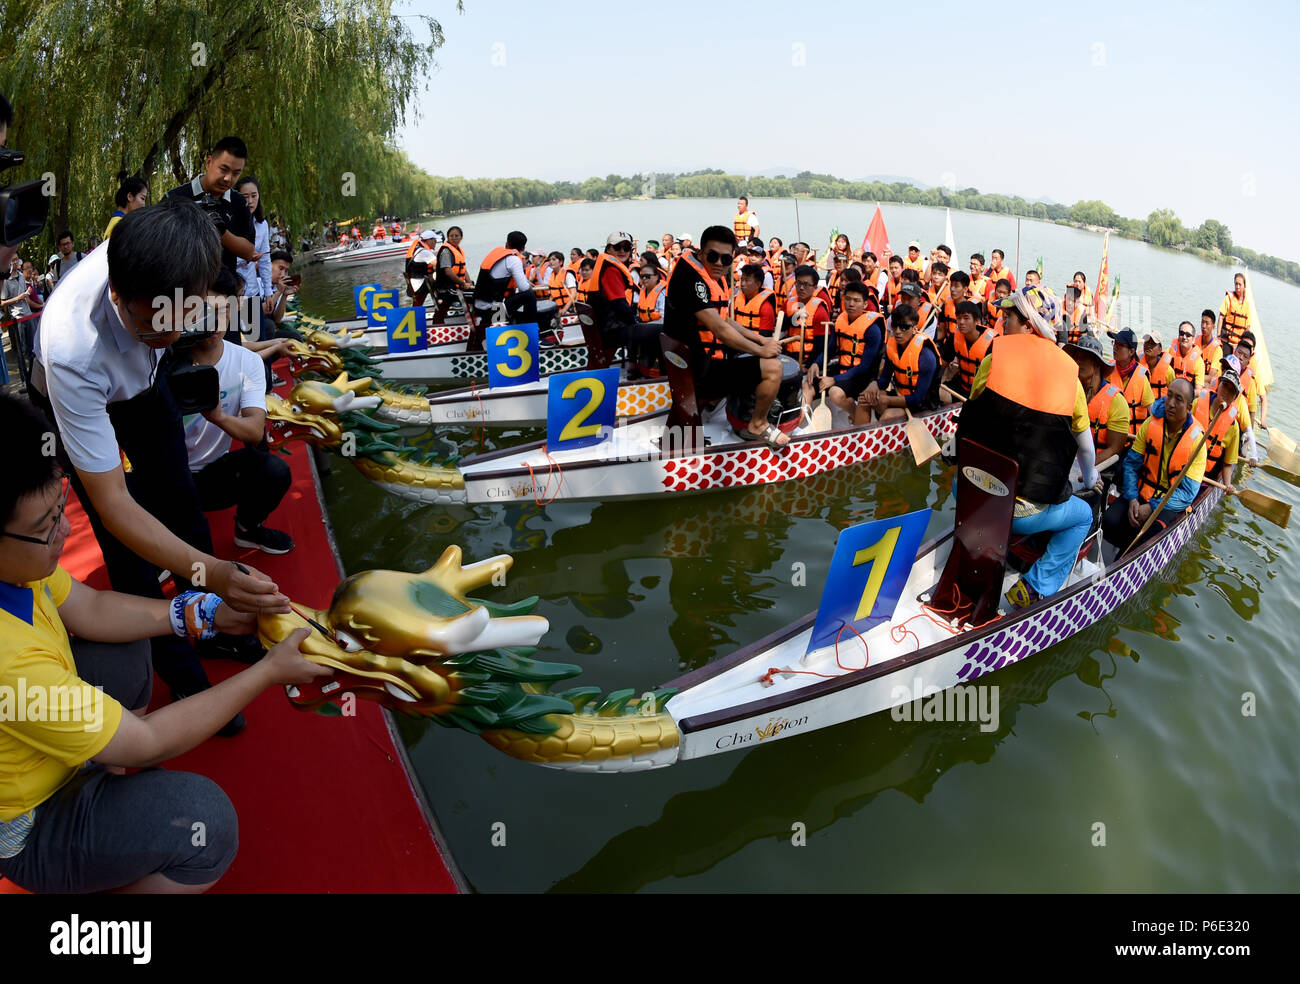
[{"x": 1069, "y": 521}]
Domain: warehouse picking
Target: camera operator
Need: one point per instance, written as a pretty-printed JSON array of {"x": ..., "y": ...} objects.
[
  {"x": 213, "y": 191},
  {"x": 102, "y": 377}
]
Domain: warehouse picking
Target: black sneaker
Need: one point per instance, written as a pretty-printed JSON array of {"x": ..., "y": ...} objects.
[
  {"x": 231, "y": 728},
  {"x": 264, "y": 539},
  {"x": 242, "y": 649}
]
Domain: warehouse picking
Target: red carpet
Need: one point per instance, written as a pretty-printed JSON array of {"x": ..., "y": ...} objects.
[{"x": 324, "y": 803}]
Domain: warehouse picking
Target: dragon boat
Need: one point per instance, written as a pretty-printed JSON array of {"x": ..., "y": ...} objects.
[
  {"x": 646, "y": 455},
  {"x": 420, "y": 644}
]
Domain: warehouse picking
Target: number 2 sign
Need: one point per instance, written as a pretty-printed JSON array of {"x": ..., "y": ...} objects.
[
  {"x": 580, "y": 408},
  {"x": 870, "y": 566}
]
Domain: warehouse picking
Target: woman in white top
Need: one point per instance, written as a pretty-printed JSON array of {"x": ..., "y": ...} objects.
[{"x": 257, "y": 275}]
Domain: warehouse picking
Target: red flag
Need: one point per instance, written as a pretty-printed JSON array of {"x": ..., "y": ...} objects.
[{"x": 877, "y": 239}]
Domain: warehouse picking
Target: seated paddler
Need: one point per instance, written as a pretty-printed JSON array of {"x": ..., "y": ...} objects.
[
  {"x": 696, "y": 311},
  {"x": 501, "y": 280},
  {"x": 1168, "y": 441},
  {"x": 1027, "y": 403}
]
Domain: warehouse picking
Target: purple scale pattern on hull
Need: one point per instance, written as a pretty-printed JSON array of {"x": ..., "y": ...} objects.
[{"x": 1038, "y": 632}]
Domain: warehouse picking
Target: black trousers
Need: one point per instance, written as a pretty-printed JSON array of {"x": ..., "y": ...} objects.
[
  {"x": 148, "y": 428},
  {"x": 1117, "y": 531},
  {"x": 251, "y": 479}
]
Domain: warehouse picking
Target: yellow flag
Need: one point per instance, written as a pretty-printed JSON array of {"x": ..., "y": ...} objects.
[{"x": 1264, "y": 371}]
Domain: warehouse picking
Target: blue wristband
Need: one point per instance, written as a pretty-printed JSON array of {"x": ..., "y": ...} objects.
[{"x": 194, "y": 614}]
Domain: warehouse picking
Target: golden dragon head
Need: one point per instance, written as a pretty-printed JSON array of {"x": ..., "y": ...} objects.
[{"x": 311, "y": 413}]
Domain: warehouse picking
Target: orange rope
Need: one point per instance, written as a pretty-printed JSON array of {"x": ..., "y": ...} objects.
[
  {"x": 766, "y": 678},
  {"x": 551, "y": 464}
]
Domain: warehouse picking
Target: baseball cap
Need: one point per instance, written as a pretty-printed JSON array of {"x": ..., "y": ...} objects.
[
  {"x": 615, "y": 238},
  {"x": 1092, "y": 345},
  {"x": 1231, "y": 376},
  {"x": 428, "y": 234},
  {"x": 911, "y": 289},
  {"x": 1231, "y": 363},
  {"x": 652, "y": 243},
  {"x": 1154, "y": 336},
  {"x": 914, "y": 244},
  {"x": 756, "y": 248},
  {"x": 1124, "y": 336}
]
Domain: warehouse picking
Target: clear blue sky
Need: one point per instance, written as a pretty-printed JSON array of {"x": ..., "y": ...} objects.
[{"x": 1142, "y": 105}]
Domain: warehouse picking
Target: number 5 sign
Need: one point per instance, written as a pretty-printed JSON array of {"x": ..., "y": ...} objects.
[
  {"x": 870, "y": 566},
  {"x": 580, "y": 408},
  {"x": 512, "y": 354}
]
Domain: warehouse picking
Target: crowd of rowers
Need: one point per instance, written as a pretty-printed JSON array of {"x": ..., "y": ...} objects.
[{"x": 908, "y": 337}]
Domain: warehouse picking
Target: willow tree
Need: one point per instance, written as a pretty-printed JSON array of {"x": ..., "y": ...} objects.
[{"x": 317, "y": 88}]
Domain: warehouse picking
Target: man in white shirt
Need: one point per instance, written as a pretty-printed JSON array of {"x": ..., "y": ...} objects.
[
  {"x": 252, "y": 479},
  {"x": 100, "y": 376},
  {"x": 502, "y": 269}
]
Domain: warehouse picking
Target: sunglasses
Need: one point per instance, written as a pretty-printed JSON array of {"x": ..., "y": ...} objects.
[
  {"x": 713, "y": 256},
  {"x": 1184, "y": 334},
  {"x": 54, "y": 528}
]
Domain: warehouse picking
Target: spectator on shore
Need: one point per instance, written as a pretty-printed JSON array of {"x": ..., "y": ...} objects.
[
  {"x": 133, "y": 193},
  {"x": 67, "y": 257},
  {"x": 213, "y": 191},
  {"x": 282, "y": 288},
  {"x": 257, "y": 275}
]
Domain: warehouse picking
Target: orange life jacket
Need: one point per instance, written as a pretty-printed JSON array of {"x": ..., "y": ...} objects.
[
  {"x": 1212, "y": 356},
  {"x": 1150, "y": 482},
  {"x": 495, "y": 256},
  {"x": 378, "y": 232},
  {"x": 749, "y": 313},
  {"x": 1185, "y": 365},
  {"x": 918, "y": 264},
  {"x": 805, "y": 341},
  {"x": 1159, "y": 377},
  {"x": 969, "y": 357},
  {"x": 834, "y": 284},
  {"x": 1132, "y": 394},
  {"x": 719, "y": 298},
  {"x": 1236, "y": 319},
  {"x": 1001, "y": 273},
  {"x": 741, "y": 225},
  {"x": 892, "y": 287},
  {"x": 1219, "y": 432},
  {"x": 1099, "y": 412},
  {"x": 649, "y": 301},
  {"x": 560, "y": 294},
  {"x": 981, "y": 288},
  {"x": 784, "y": 289},
  {"x": 907, "y": 367},
  {"x": 850, "y": 336},
  {"x": 592, "y": 285},
  {"x": 456, "y": 272}
]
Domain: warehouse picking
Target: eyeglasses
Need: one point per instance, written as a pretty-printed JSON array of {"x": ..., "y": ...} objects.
[
  {"x": 58, "y": 520},
  {"x": 1184, "y": 334},
  {"x": 713, "y": 256},
  {"x": 804, "y": 284}
]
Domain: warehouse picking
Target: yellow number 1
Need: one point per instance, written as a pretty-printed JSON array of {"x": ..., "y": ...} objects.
[
  {"x": 877, "y": 555},
  {"x": 516, "y": 346},
  {"x": 406, "y": 329}
]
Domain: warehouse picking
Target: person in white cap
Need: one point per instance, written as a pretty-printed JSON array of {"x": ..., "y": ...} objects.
[
  {"x": 1159, "y": 363},
  {"x": 608, "y": 289}
]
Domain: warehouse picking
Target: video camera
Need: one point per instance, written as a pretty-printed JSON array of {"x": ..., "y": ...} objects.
[
  {"x": 24, "y": 207},
  {"x": 215, "y": 209},
  {"x": 196, "y": 388}
]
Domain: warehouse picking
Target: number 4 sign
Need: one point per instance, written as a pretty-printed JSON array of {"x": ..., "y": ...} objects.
[
  {"x": 870, "y": 566},
  {"x": 405, "y": 329},
  {"x": 580, "y": 408}
]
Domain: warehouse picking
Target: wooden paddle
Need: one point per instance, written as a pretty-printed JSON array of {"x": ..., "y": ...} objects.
[
  {"x": 1174, "y": 484},
  {"x": 956, "y": 396},
  {"x": 1286, "y": 460},
  {"x": 821, "y": 417},
  {"x": 1280, "y": 438},
  {"x": 924, "y": 446},
  {"x": 1274, "y": 510}
]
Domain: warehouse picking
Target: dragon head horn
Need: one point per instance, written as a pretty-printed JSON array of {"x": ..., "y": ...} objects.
[{"x": 455, "y": 579}]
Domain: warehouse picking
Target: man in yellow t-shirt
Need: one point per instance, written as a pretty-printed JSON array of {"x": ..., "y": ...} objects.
[
  {"x": 1146, "y": 481},
  {"x": 71, "y": 712}
]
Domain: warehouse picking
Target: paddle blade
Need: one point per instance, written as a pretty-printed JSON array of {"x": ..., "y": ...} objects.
[
  {"x": 924, "y": 447},
  {"x": 1274, "y": 510},
  {"x": 821, "y": 418},
  {"x": 1279, "y": 438},
  {"x": 1286, "y": 460}
]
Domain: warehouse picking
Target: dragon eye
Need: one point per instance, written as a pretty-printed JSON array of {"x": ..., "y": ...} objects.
[
  {"x": 296, "y": 407},
  {"x": 347, "y": 642}
]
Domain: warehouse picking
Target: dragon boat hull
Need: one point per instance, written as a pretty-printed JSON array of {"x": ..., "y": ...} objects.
[
  {"x": 448, "y": 363},
  {"x": 633, "y": 464},
  {"x": 725, "y": 706},
  {"x": 525, "y": 406}
]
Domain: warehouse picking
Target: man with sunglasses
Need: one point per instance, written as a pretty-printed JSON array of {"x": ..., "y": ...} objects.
[
  {"x": 698, "y": 297},
  {"x": 1186, "y": 357},
  {"x": 101, "y": 378}
]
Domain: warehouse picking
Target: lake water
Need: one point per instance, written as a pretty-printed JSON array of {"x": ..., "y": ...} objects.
[{"x": 1136, "y": 724}]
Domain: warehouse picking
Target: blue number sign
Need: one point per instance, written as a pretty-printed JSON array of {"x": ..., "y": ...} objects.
[
  {"x": 513, "y": 355},
  {"x": 379, "y": 302},
  {"x": 580, "y": 408},
  {"x": 405, "y": 329},
  {"x": 361, "y": 298},
  {"x": 868, "y": 571}
]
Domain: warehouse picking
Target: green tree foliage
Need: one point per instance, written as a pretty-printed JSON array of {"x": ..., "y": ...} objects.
[
  {"x": 1214, "y": 236},
  {"x": 317, "y": 89},
  {"x": 1164, "y": 228},
  {"x": 1093, "y": 213}
]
